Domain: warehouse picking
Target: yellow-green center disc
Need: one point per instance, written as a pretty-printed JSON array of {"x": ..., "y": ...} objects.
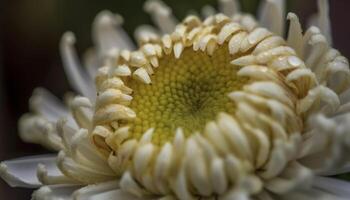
[{"x": 186, "y": 92}]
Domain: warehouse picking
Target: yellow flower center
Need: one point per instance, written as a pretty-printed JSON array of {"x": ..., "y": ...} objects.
[{"x": 186, "y": 92}]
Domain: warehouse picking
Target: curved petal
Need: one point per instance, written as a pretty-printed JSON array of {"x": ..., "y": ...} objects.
[
  {"x": 328, "y": 147},
  {"x": 310, "y": 194},
  {"x": 322, "y": 20},
  {"x": 271, "y": 15},
  {"x": 77, "y": 77},
  {"x": 294, "y": 177},
  {"x": 22, "y": 172},
  {"x": 103, "y": 191},
  {"x": 341, "y": 170},
  {"x": 334, "y": 186},
  {"x": 38, "y": 130},
  {"x": 46, "y": 104},
  {"x": 161, "y": 14},
  {"x": 91, "y": 62},
  {"x": 229, "y": 7},
  {"x": 54, "y": 192},
  {"x": 108, "y": 34},
  {"x": 113, "y": 194}
]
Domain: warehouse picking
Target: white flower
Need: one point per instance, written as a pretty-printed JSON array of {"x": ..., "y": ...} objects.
[{"x": 224, "y": 108}]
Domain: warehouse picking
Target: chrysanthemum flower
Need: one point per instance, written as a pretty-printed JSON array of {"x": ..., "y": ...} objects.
[{"x": 219, "y": 108}]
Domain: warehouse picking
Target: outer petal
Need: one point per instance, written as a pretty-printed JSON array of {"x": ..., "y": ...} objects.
[
  {"x": 310, "y": 194},
  {"x": 271, "y": 15},
  {"x": 108, "y": 33},
  {"x": 46, "y": 104},
  {"x": 37, "y": 129},
  {"x": 335, "y": 186},
  {"x": 114, "y": 194},
  {"x": 22, "y": 172},
  {"x": 104, "y": 191},
  {"x": 76, "y": 75},
  {"x": 54, "y": 193}
]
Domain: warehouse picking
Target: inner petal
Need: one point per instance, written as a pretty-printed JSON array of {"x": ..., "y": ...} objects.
[{"x": 186, "y": 92}]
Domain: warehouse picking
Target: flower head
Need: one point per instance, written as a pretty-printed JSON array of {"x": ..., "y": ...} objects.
[{"x": 223, "y": 107}]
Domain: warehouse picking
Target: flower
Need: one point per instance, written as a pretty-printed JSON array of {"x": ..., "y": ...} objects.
[{"x": 223, "y": 108}]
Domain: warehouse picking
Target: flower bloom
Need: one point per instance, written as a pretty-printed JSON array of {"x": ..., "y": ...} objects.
[{"x": 219, "y": 108}]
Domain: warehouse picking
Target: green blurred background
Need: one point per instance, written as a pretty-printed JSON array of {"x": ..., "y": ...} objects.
[{"x": 30, "y": 31}]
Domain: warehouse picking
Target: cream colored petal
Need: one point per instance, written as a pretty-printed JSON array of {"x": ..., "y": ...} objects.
[
  {"x": 271, "y": 15},
  {"x": 45, "y": 103},
  {"x": 295, "y": 34},
  {"x": 91, "y": 62},
  {"x": 294, "y": 177},
  {"x": 36, "y": 129},
  {"x": 229, "y": 7},
  {"x": 108, "y": 34},
  {"x": 62, "y": 192},
  {"x": 340, "y": 188},
  {"x": 161, "y": 15},
  {"x": 77, "y": 77},
  {"x": 22, "y": 172}
]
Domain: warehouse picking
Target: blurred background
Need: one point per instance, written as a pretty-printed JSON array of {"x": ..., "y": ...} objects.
[{"x": 30, "y": 31}]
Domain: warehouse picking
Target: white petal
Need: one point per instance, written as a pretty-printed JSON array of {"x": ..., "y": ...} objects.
[
  {"x": 91, "y": 62},
  {"x": 342, "y": 170},
  {"x": 339, "y": 74},
  {"x": 310, "y": 194},
  {"x": 77, "y": 77},
  {"x": 323, "y": 19},
  {"x": 83, "y": 152},
  {"x": 22, "y": 172},
  {"x": 229, "y": 7},
  {"x": 54, "y": 192},
  {"x": 37, "y": 130},
  {"x": 128, "y": 184},
  {"x": 114, "y": 194},
  {"x": 208, "y": 11},
  {"x": 142, "y": 75},
  {"x": 295, "y": 34},
  {"x": 81, "y": 109},
  {"x": 295, "y": 176},
  {"x": 318, "y": 46},
  {"x": 272, "y": 15},
  {"x": 81, "y": 172},
  {"x": 109, "y": 35},
  {"x": 46, "y": 104},
  {"x": 146, "y": 33},
  {"x": 329, "y": 149},
  {"x": 335, "y": 186},
  {"x": 90, "y": 191},
  {"x": 161, "y": 15},
  {"x": 329, "y": 99},
  {"x": 66, "y": 133},
  {"x": 236, "y": 195},
  {"x": 345, "y": 96}
]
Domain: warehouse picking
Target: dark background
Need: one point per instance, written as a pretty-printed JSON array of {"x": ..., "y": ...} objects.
[{"x": 30, "y": 31}]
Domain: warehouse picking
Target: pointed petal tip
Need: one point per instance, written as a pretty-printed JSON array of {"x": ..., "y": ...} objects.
[{"x": 147, "y": 136}]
